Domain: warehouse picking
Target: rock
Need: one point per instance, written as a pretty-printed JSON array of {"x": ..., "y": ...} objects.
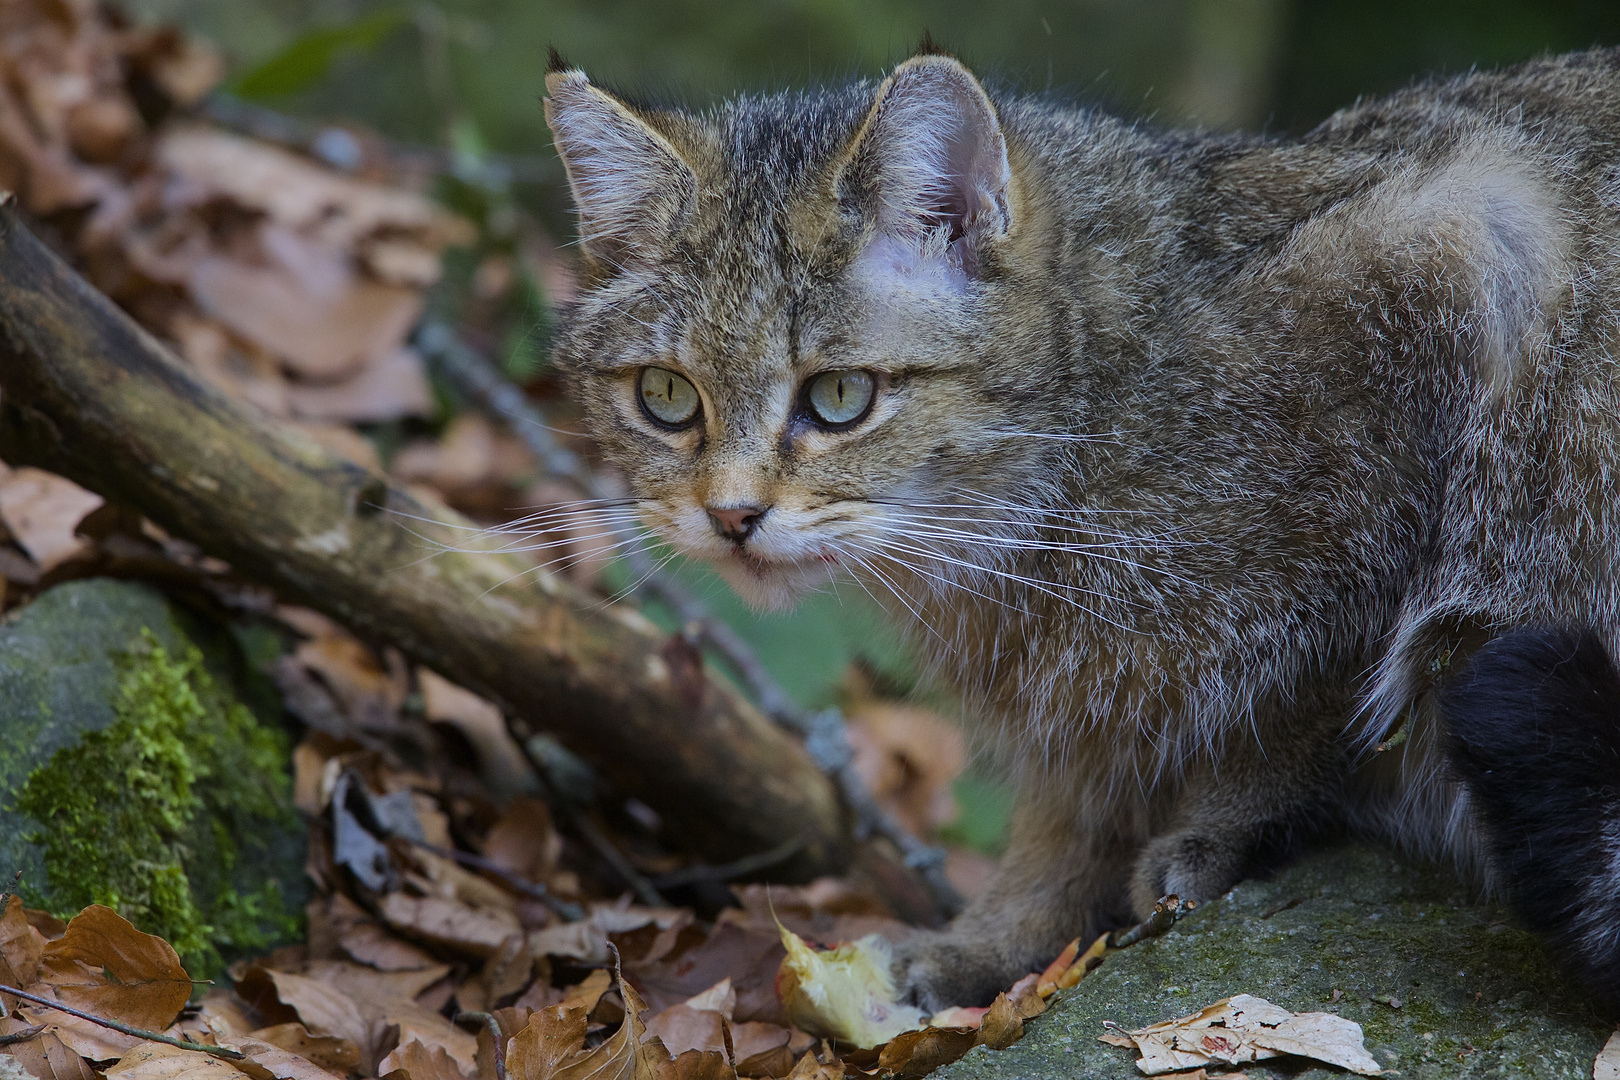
[
  {"x": 1476, "y": 996},
  {"x": 132, "y": 774}
]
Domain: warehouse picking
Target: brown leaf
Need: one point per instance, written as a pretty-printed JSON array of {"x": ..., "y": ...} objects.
[
  {"x": 414, "y": 1060},
  {"x": 433, "y": 1030},
  {"x": 777, "y": 1061},
  {"x": 450, "y": 923},
  {"x": 918, "y": 1053},
  {"x": 908, "y": 758},
  {"x": 589, "y": 992},
  {"x": 502, "y": 763},
  {"x": 552, "y": 1036},
  {"x": 753, "y": 1037},
  {"x": 159, "y": 1061},
  {"x": 371, "y": 944},
  {"x": 390, "y": 387},
  {"x": 45, "y": 1056},
  {"x": 693, "y": 1065},
  {"x": 372, "y": 988},
  {"x": 338, "y": 1055},
  {"x": 106, "y": 967},
  {"x": 323, "y": 1009},
  {"x": 41, "y": 510},
  {"x": 267, "y": 1061},
  {"x": 682, "y": 1028},
  {"x": 324, "y": 331},
  {"x": 1001, "y": 1026},
  {"x": 622, "y": 1056},
  {"x": 506, "y": 972}
]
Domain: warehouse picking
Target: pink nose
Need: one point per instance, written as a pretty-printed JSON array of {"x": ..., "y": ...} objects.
[{"x": 736, "y": 522}]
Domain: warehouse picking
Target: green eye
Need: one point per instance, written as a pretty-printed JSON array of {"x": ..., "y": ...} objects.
[
  {"x": 841, "y": 397},
  {"x": 667, "y": 397}
]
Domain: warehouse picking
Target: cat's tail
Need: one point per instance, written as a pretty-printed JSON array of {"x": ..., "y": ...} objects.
[{"x": 1533, "y": 730}]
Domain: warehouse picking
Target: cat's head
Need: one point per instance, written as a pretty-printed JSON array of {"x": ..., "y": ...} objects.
[{"x": 790, "y": 338}]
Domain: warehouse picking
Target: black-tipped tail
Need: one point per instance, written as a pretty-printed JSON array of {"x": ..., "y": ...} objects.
[{"x": 1533, "y": 725}]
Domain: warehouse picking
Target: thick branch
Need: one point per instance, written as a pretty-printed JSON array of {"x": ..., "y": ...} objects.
[{"x": 90, "y": 395}]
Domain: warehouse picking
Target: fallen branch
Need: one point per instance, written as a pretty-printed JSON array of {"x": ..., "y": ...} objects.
[
  {"x": 201, "y": 1048},
  {"x": 88, "y": 394}
]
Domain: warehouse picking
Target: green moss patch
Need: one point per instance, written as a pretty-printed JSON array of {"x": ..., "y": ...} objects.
[{"x": 145, "y": 815}]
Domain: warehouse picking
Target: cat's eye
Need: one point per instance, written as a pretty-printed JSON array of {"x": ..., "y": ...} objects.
[
  {"x": 667, "y": 398},
  {"x": 840, "y": 398}
]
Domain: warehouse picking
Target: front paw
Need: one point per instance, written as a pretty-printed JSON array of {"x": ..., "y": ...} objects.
[
  {"x": 1193, "y": 866},
  {"x": 935, "y": 970}
]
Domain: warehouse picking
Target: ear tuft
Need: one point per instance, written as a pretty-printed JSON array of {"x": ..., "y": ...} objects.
[
  {"x": 555, "y": 61},
  {"x": 930, "y": 163},
  {"x": 928, "y": 46},
  {"x": 630, "y": 184}
]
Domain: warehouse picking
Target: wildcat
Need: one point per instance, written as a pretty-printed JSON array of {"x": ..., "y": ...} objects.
[{"x": 1250, "y": 489}]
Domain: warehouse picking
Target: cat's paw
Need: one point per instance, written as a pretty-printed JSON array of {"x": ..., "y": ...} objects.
[
  {"x": 935, "y": 970},
  {"x": 1191, "y": 865}
]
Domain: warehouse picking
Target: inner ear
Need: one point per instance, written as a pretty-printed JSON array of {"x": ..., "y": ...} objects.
[
  {"x": 929, "y": 165},
  {"x": 630, "y": 184}
]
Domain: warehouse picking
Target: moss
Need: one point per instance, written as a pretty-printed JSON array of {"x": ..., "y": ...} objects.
[{"x": 144, "y": 815}]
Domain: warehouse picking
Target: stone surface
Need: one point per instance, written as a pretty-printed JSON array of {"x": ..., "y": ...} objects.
[
  {"x": 72, "y": 664},
  {"x": 1478, "y": 997}
]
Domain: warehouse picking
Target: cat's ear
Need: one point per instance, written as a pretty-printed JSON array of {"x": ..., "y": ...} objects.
[
  {"x": 630, "y": 184},
  {"x": 929, "y": 164}
]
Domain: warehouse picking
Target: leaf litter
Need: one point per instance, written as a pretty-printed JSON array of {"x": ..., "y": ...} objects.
[{"x": 450, "y": 905}]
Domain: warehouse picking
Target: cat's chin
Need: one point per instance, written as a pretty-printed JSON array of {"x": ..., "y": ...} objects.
[{"x": 771, "y": 586}]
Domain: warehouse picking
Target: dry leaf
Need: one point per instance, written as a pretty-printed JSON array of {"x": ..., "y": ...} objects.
[
  {"x": 267, "y": 1061},
  {"x": 338, "y": 1055},
  {"x": 419, "y": 1061},
  {"x": 20, "y": 944},
  {"x": 692, "y": 1065},
  {"x": 371, "y": 944},
  {"x": 502, "y": 763},
  {"x": 681, "y": 1028},
  {"x": 390, "y": 387},
  {"x": 1607, "y": 1065},
  {"x": 450, "y": 923},
  {"x": 552, "y": 1036},
  {"x": 45, "y": 1056},
  {"x": 622, "y": 1056},
  {"x": 432, "y": 1030},
  {"x": 324, "y": 1010},
  {"x": 42, "y": 510},
  {"x": 524, "y": 840},
  {"x": 918, "y": 1053},
  {"x": 908, "y": 758},
  {"x": 1246, "y": 1028},
  {"x": 104, "y": 966},
  {"x": 326, "y": 331},
  {"x": 159, "y": 1061},
  {"x": 845, "y": 993}
]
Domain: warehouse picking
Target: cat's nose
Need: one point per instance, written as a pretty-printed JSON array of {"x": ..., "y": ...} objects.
[{"x": 735, "y": 523}]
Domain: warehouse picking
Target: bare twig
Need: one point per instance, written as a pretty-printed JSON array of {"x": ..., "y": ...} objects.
[
  {"x": 565, "y": 909},
  {"x": 823, "y": 732},
  {"x": 151, "y": 1036},
  {"x": 749, "y": 864},
  {"x": 21, "y": 1036},
  {"x": 494, "y": 1026}
]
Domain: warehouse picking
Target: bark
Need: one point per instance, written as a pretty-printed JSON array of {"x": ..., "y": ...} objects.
[{"x": 88, "y": 394}]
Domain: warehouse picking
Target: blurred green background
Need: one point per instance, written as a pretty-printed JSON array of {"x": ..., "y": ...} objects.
[{"x": 467, "y": 75}]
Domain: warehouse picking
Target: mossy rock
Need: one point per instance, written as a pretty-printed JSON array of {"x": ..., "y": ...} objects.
[
  {"x": 1477, "y": 996},
  {"x": 132, "y": 774}
]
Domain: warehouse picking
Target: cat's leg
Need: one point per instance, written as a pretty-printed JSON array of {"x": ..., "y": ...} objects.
[
  {"x": 1063, "y": 876},
  {"x": 1248, "y": 810}
]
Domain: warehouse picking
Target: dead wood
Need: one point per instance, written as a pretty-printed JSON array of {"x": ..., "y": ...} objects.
[{"x": 85, "y": 392}]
